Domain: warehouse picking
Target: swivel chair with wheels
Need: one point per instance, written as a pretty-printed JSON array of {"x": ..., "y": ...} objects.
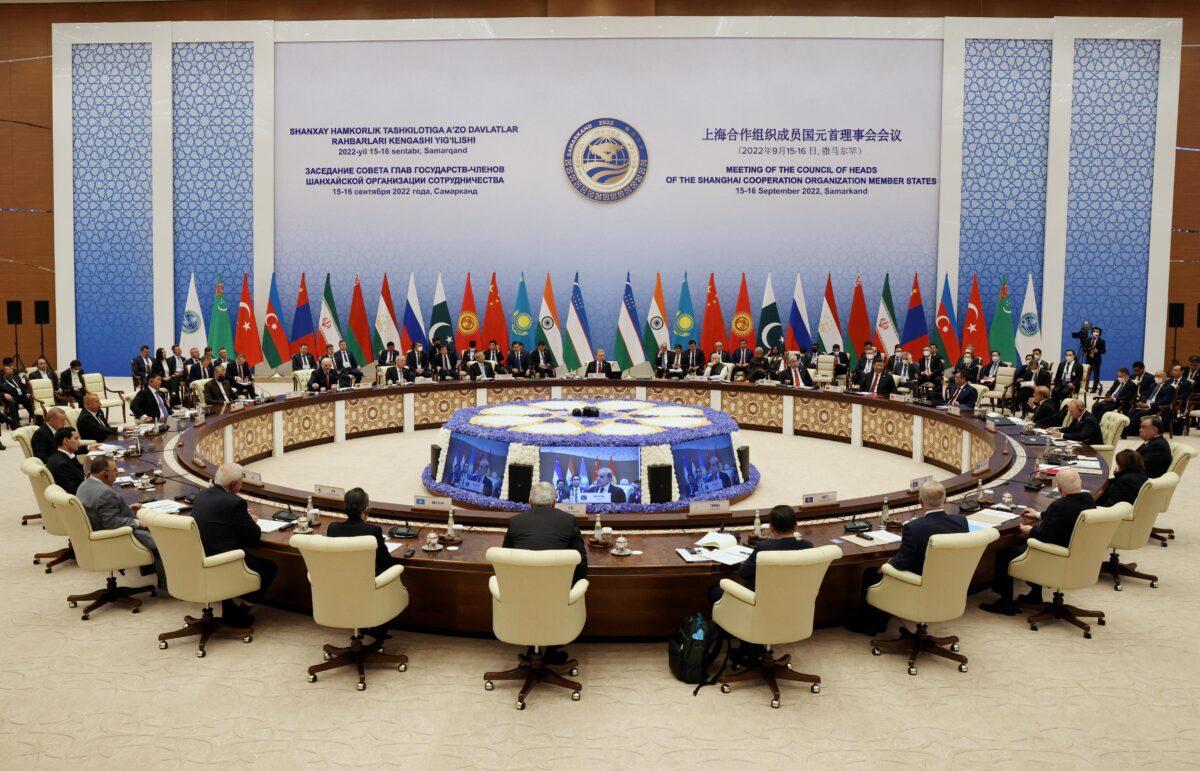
[
  {"x": 1181, "y": 455},
  {"x": 41, "y": 479},
  {"x": 1133, "y": 532}
]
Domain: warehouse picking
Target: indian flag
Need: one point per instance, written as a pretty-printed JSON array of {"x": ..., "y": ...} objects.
[
  {"x": 655, "y": 331},
  {"x": 627, "y": 349},
  {"x": 549, "y": 330}
]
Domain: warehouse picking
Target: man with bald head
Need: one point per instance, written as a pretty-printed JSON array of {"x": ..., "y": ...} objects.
[
  {"x": 1055, "y": 525},
  {"x": 92, "y": 423},
  {"x": 1083, "y": 426}
]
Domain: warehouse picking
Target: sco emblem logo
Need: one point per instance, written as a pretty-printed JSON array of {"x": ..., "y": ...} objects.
[{"x": 606, "y": 160}]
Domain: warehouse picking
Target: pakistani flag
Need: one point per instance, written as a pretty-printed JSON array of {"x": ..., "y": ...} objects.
[
  {"x": 520, "y": 328},
  {"x": 549, "y": 330},
  {"x": 220, "y": 332},
  {"x": 770, "y": 331},
  {"x": 655, "y": 330},
  {"x": 191, "y": 331},
  {"x": 329, "y": 328},
  {"x": 627, "y": 349},
  {"x": 684, "y": 328},
  {"x": 440, "y": 324},
  {"x": 578, "y": 350},
  {"x": 1029, "y": 327}
]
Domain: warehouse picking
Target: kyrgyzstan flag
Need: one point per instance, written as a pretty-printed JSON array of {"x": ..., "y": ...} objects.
[
  {"x": 975, "y": 325},
  {"x": 741, "y": 326},
  {"x": 468, "y": 320},
  {"x": 713, "y": 330},
  {"x": 246, "y": 341},
  {"x": 858, "y": 332},
  {"x": 358, "y": 339},
  {"x": 495, "y": 323}
]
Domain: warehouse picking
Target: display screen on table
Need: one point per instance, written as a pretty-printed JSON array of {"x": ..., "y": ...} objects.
[
  {"x": 475, "y": 464},
  {"x": 593, "y": 474},
  {"x": 705, "y": 465}
]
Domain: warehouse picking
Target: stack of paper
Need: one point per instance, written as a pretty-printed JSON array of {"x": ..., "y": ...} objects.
[
  {"x": 270, "y": 525},
  {"x": 717, "y": 547},
  {"x": 988, "y": 518},
  {"x": 877, "y": 538},
  {"x": 165, "y": 506}
]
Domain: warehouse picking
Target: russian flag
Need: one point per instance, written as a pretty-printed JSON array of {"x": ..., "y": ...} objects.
[
  {"x": 412, "y": 328},
  {"x": 798, "y": 336}
]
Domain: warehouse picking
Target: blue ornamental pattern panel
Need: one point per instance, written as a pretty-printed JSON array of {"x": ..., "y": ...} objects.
[
  {"x": 213, "y": 122},
  {"x": 1006, "y": 135},
  {"x": 1113, "y": 113},
  {"x": 111, "y": 111}
]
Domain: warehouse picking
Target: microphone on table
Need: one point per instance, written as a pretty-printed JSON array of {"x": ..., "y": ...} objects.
[{"x": 404, "y": 531}]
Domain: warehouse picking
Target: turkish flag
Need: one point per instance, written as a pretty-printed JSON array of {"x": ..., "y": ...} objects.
[
  {"x": 495, "y": 323},
  {"x": 741, "y": 326},
  {"x": 246, "y": 340},
  {"x": 975, "y": 325},
  {"x": 714, "y": 321}
]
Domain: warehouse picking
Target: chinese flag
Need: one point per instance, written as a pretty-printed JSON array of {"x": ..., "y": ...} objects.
[
  {"x": 360, "y": 329},
  {"x": 495, "y": 323},
  {"x": 741, "y": 326},
  {"x": 246, "y": 341},
  {"x": 468, "y": 320},
  {"x": 859, "y": 330},
  {"x": 974, "y": 325},
  {"x": 713, "y": 330}
]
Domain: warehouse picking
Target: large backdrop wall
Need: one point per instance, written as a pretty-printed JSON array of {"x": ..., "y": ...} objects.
[{"x": 833, "y": 150}]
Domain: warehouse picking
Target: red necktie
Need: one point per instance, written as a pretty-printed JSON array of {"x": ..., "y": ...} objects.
[{"x": 875, "y": 383}]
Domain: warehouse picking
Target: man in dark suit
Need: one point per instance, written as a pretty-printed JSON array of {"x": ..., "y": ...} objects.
[
  {"x": 662, "y": 362},
  {"x": 389, "y": 357},
  {"x": 544, "y": 364},
  {"x": 880, "y": 382},
  {"x": 63, "y": 466},
  {"x": 1083, "y": 426},
  {"x": 43, "y": 371},
  {"x": 961, "y": 394},
  {"x": 1154, "y": 449},
  {"x": 1056, "y": 526},
  {"x": 323, "y": 378},
  {"x": 693, "y": 358},
  {"x": 346, "y": 365},
  {"x": 141, "y": 366},
  {"x": 905, "y": 371},
  {"x": 217, "y": 392},
  {"x": 604, "y": 484},
  {"x": 1094, "y": 356},
  {"x": 481, "y": 368},
  {"x": 1033, "y": 374},
  {"x": 303, "y": 360},
  {"x": 1161, "y": 395},
  {"x": 795, "y": 375},
  {"x": 240, "y": 377},
  {"x": 782, "y": 521},
  {"x": 741, "y": 361},
  {"x": 148, "y": 404},
  {"x": 760, "y": 366},
  {"x": 225, "y": 525},
  {"x": 1143, "y": 380},
  {"x": 93, "y": 425},
  {"x": 518, "y": 361},
  {"x": 42, "y": 442},
  {"x": 602, "y": 366},
  {"x": 442, "y": 363},
  {"x": 930, "y": 368},
  {"x": 1118, "y": 397},
  {"x": 14, "y": 393},
  {"x": 197, "y": 367},
  {"x": 894, "y": 360},
  {"x": 467, "y": 355},
  {"x": 968, "y": 365},
  {"x": 70, "y": 382},
  {"x": 719, "y": 350},
  {"x": 1046, "y": 413},
  {"x": 1068, "y": 377},
  {"x": 416, "y": 363},
  {"x": 221, "y": 359},
  {"x": 914, "y": 540},
  {"x": 355, "y": 505},
  {"x": 1176, "y": 414},
  {"x": 866, "y": 365},
  {"x": 989, "y": 371},
  {"x": 495, "y": 357}
]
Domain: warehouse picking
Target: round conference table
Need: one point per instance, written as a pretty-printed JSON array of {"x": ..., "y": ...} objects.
[{"x": 640, "y": 596}]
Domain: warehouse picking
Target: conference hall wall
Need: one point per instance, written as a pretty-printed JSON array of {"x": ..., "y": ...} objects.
[{"x": 802, "y": 146}]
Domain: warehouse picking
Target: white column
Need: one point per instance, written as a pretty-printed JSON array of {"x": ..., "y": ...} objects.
[
  {"x": 714, "y": 398},
  {"x": 789, "y": 413},
  {"x": 918, "y": 453},
  {"x": 966, "y": 450},
  {"x": 339, "y": 421},
  {"x": 481, "y": 397},
  {"x": 856, "y": 425},
  {"x": 163, "y": 186},
  {"x": 227, "y": 436},
  {"x": 409, "y": 401},
  {"x": 277, "y": 433},
  {"x": 639, "y": 392}
]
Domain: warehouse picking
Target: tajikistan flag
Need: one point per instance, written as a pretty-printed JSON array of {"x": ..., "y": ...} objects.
[{"x": 829, "y": 331}]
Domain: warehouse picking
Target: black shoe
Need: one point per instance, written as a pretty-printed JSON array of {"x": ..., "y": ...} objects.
[
  {"x": 1030, "y": 598},
  {"x": 556, "y": 657},
  {"x": 1001, "y": 607},
  {"x": 859, "y": 626}
]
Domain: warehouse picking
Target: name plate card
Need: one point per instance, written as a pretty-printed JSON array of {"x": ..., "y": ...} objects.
[
  {"x": 720, "y": 506},
  {"x": 990, "y": 425},
  {"x": 818, "y": 499},
  {"x": 596, "y": 376},
  {"x": 980, "y": 468},
  {"x": 915, "y": 484},
  {"x": 953, "y": 410},
  {"x": 252, "y": 477},
  {"x": 329, "y": 491},
  {"x": 431, "y": 502},
  {"x": 576, "y": 510},
  {"x": 293, "y": 395}
]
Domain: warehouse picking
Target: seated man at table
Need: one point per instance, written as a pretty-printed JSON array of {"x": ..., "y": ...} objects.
[
  {"x": 604, "y": 484},
  {"x": 346, "y": 364},
  {"x": 914, "y": 538},
  {"x": 518, "y": 362},
  {"x": 1161, "y": 395},
  {"x": 92, "y": 423},
  {"x": 662, "y": 361},
  {"x": 416, "y": 363},
  {"x": 782, "y": 521},
  {"x": 1046, "y": 413},
  {"x": 602, "y": 366},
  {"x": 323, "y": 378},
  {"x": 879, "y": 382},
  {"x": 1118, "y": 397},
  {"x": 1083, "y": 426},
  {"x": 481, "y": 368},
  {"x": 495, "y": 357},
  {"x": 217, "y": 392},
  {"x": 356, "y": 503},
  {"x": 1154, "y": 449},
  {"x": 543, "y": 363},
  {"x": 14, "y": 394},
  {"x": 760, "y": 366},
  {"x": 240, "y": 376},
  {"x": 1056, "y": 526},
  {"x": 794, "y": 374},
  {"x": 740, "y": 358},
  {"x": 961, "y": 394},
  {"x": 303, "y": 360},
  {"x": 148, "y": 404},
  {"x": 442, "y": 364},
  {"x": 905, "y": 371},
  {"x": 107, "y": 510},
  {"x": 225, "y": 525},
  {"x": 62, "y": 463},
  {"x": 1068, "y": 378},
  {"x": 930, "y": 368},
  {"x": 388, "y": 360},
  {"x": 693, "y": 358},
  {"x": 42, "y": 442},
  {"x": 715, "y": 369}
]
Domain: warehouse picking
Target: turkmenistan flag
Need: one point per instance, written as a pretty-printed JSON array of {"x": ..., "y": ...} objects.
[
  {"x": 770, "y": 331},
  {"x": 627, "y": 349},
  {"x": 1001, "y": 335},
  {"x": 220, "y": 331},
  {"x": 655, "y": 331}
]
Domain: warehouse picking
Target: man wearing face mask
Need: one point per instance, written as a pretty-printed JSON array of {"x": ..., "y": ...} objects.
[
  {"x": 416, "y": 363},
  {"x": 987, "y": 375},
  {"x": 968, "y": 366},
  {"x": 1094, "y": 355},
  {"x": 1119, "y": 396},
  {"x": 1029, "y": 378},
  {"x": 930, "y": 367},
  {"x": 1068, "y": 377},
  {"x": 1161, "y": 395}
]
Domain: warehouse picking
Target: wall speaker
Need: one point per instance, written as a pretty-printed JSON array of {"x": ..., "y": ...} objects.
[
  {"x": 41, "y": 311},
  {"x": 1174, "y": 315},
  {"x": 14, "y": 312},
  {"x": 660, "y": 482},
  {"x": 520, "y": 479},
  {"x": 435, "y": 455},
  {"x": 743, "y": 454}
]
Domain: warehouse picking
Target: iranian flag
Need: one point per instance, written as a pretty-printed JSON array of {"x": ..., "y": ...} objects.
[
  {"x": 329, "y": 329},
  {"x": 655, "y": 331},
  {"x": 549, "y": 330},
  {"x": 627, "y": 348},
  {"x": 829, "y": 330},
  {"x": 275, "y": 346},
  {"x": 886, "y": 336}
]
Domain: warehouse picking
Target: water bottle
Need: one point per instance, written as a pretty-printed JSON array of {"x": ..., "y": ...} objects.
[
  {"x": 885, "y": 515},
  {"x": 598, "y": 532},
  {"x": 158, "y": 471},
  {"x": 314, "y": 516},
  {"x": 450, "y": 528},
  {"x": 757, "y": 524}
]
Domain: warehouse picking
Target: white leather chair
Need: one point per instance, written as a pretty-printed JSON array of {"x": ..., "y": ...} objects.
[
  {"x": 197, "y": 387},
  {"x": 1181, "y": 455},
  {"x": 93, "y": 383},
  {"x": 347, "y": 594},
  {"x": 24, "y": 439},
  {"x": 381, "y": 373},
  {"x": 1133, "y": 532},
  {"x": 100, "y": 551},
  {"x": 825, "y": 369},
  {"x": 535, "y": 605},
  {"x": 938, "y": 593},
  {"x": 42, "y": 392},
  {"x": 1112, "y": 425},
  {"x": 41, "y": 479},
  {"x": 1000, "y": 393},
  {"x": 300, "y": 378},
  {"x": 1071, "y": 567},
  {"x": 193, "y": 577},
  {"x": 777, "y": 611}
]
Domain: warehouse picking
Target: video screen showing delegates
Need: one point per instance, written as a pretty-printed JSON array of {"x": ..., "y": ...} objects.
[
  {"x": 475, "y": 464},
  {"x": 705, "y": 465},
  {"x": 593, "y": 474}
]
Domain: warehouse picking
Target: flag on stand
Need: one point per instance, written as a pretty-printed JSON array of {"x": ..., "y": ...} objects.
[
  {"x": 741, "y": 326},
  {"x": 302, "y": 322},
  {"x": 521, "y": 328},
  {"x": 627, "y": 348},
  {"x": 329, "y": 327},
  {"x": 799, "y": 336},
  {"x": 468, "y": 319},
  {"x": 549, "y": 330},
  {"x": 975, "y": 325},
  {"x": 439, "y": 317},
  {"x": 916, "y": 331},
  {"x": 412, "y": 326},
  {"x": 684, "y": 327},
  {"x": 275, "y": 346},
  {"x": 886, "y": 335},
  {"x": 770, "y": 331},
  {"x": 1002, "y": 336},
  {"x": 495, "y": 324},
  {"x": 358, "y": 337},
  {"x": 1029, "y": 327},
  {"x": 220, "y": 334},
  {"x": 858, "y": 332},
  {"x": 829, "y": 329},
  {"x": 655, "y": 330},
  {"x": 191, "y": 331},
  {"x": 577, "y": 349},
  {"x": 246, "y": 342},
  {"x": 714, "y": 320},
  {"x": 944, "y": 336},
  {"x": 386, "y": 330}
]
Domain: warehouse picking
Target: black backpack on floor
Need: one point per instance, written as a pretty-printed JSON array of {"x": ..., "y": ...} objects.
[{"x": 693, "y": 649}]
